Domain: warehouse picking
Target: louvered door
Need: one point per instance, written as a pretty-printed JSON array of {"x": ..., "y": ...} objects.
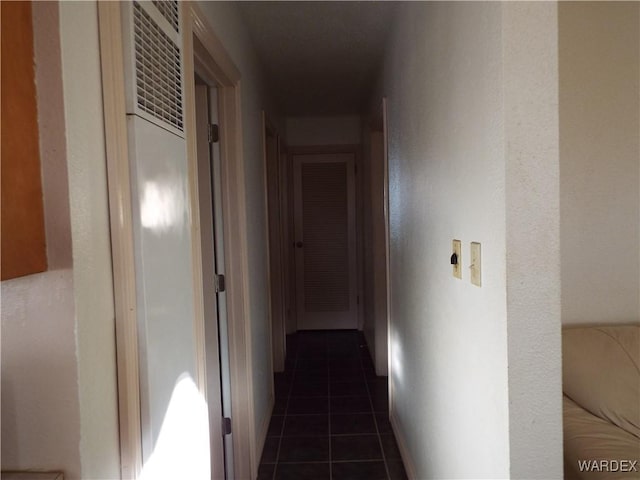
[{"x": 325, "y": 241}]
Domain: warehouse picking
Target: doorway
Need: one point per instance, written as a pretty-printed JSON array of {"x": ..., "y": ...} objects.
[
  {"x": 213, "y": 65},
  {"x": 325, "y": 238},
  {"x": 218, "y": 381},
  {"x": 203, "y": 53},
  {"x": 376, "y": 239}
]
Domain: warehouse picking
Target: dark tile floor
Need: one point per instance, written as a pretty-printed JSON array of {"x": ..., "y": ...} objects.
[{"x": 330, "y": 419}]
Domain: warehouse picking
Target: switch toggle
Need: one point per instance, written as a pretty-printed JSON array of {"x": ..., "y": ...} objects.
[{"x": 456, "y": 258}]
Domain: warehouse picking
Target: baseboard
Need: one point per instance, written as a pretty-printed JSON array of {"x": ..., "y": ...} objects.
[
  {"x": 409, "y": 466},
  {"x": 263, "y": 430}
]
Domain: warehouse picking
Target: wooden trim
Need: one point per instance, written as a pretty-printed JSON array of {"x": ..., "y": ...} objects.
[
  {"x": 359, "y": 183},
  {"x": 292, "y": 320},
  {"x": 194, "y": 203},
  {"x": 385, "y": 139},
  {"x": 219, "y": 65},
  {"x": 274, "y": 272},
  {"x": 240, "y": 331},
  {"x": 267, "y": 128},
  {"x": 208, "y": 202},
  {"x": 209, "y": 72},
  {"x": 223, "y": 64},
  {"x": 124, "y": 287}
]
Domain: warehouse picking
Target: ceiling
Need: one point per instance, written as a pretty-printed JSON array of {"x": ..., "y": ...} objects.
[{"x": 321, "y": 58}]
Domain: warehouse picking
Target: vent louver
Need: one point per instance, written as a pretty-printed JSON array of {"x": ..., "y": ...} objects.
[
  {"x": 325, "y": 217},
  {"x": 158, "y": 81},
  {"x": 169, "y": 10}
]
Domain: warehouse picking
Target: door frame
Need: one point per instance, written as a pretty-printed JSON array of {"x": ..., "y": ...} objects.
[
  {"x": 275, "y": 248},
  {"x": 378, "y": 125},
  {"x": 209, "y": 206},
  {"x": 356, "y": 151},
  {"x": 122, "y": 248},
  {"x": 286, "y": 179},
  {"x": 201, "y": 45},
  {"x": 379, "y": 122}
]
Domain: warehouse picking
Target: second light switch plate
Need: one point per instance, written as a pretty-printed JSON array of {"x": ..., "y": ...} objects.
[{"x": 475, "y": 264}]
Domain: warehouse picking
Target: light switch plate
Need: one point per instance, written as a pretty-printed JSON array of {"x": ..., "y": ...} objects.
[
  {"x": 456, "y": 248},
  {"x": 476, "y": 264}
]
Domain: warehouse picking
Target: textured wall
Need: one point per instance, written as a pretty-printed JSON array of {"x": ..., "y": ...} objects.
[
  {"x": 600, "y": 161},
  {"x": 59, "y": 400},
  {"x": 342, "y": 130},
  {"x": 471, "y": 118},
  {"x": 88, "y": 201},
  {"x": 530, "y": 70},
  {"x": 40, "y": 405},
  {"x": 443, "y": 80}
]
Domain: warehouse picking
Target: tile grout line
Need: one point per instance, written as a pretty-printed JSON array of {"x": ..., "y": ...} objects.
[
  {"x": 329, "y": 408},
  {"x": 286, "y": 410},
  {"x": 375, "y": 419},
  {"x": 314, "y": 462}
]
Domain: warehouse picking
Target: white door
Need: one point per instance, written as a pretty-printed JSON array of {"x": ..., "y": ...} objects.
[
  {"x": 213, "y": 270},
  {"x": 325, "y": 240}
]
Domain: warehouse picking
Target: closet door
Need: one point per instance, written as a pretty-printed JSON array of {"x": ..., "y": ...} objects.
[{"x": 325, "y": 240}]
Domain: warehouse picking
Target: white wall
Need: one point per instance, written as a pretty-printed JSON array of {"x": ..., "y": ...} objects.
[
  {"x": 59, "y": 400},
  {"x": 51, "y": 125},
  {"x": 600, "y": 161},
  {"x": 88, "y": 201},
  {"x": 40, "y": 374},
  {"x": 456, "y": 154},
  {"x": 530, "y": 93},
  {"x": 227, "y": 24},
  {"x": 338, "y": 130}
]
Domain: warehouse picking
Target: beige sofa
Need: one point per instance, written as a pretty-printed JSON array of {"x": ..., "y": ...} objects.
[{"x": 601, "y": 383}]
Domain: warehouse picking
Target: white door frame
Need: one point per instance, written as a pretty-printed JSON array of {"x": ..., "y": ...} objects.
[
  {"x": 275, "y": 248},
  {"x": 202, "y": 46},
  {"x": 215, "y": 317},
  {"x": 122, "y": 249}
]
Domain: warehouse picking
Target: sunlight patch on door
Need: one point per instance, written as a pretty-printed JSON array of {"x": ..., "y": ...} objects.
[
  {"x": 182, "y": 449},
  {"x": 163, "y": 206}
]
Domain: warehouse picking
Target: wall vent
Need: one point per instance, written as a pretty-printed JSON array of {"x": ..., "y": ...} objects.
[
  {"x": 158, "y": 76},
  {"x": 153, "y": 62},
  {"x": 169, "y": 10}
]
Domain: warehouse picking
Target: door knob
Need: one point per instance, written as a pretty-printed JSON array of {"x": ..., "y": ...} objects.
[{"x": 299, "y": 244}]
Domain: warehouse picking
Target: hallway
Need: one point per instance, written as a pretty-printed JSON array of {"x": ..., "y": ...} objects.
[
  {"x": 178, "y": 146},
  {"x": 330, "y": 416}
]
